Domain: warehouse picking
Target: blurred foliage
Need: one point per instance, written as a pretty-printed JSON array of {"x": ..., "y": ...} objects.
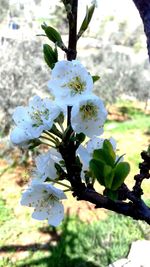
[
  {"x": 22, "y": 74},
  {"x": 87, "y": 245},
  {"x": 119, "y": 74},
  {"x": 59, "y": 19},
  {"x": 4, "y": 6},
  {"x": 5, "y": 212}
]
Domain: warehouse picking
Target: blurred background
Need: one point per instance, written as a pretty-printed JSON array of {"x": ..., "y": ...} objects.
[{"x": 114, "y": 47}]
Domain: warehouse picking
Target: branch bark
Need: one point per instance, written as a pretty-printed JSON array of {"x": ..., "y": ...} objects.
[
  {"x": 72, "y": 19},
  {"x": 143, "y": 7},
  {"x": 136, "y": 209}
]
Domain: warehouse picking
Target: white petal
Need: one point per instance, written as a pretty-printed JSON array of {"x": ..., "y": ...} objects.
[
  {"x": 84, "y": 156},
  {"x": 45, "y": 164},
  {"x": 21, "y": 116},
  {"x": 29, "y": 198},
  {"x": 56, "y": 214},
  {"x": 94, "y": 143},
  {"x": 40, "y": 214},
  {"x": 19, "y": 137},
  {"x": 56, "y": 192},
  {"x": 35, "y": 103}
]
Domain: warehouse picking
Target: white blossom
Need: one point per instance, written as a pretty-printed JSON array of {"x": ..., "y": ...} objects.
[
  {"x": 33, "y": 119},
  {"x": 69, "y": 82},
  {"x": 45, "y": 199},
  {"x": 45, "y": 166},
  {"x": 89, "y": 116}
]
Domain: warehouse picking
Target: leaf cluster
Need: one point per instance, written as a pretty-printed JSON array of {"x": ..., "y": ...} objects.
[{"x": 108, "y": 171}]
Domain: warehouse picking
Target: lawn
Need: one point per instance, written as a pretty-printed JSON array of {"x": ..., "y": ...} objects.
[{"x": 87, "y": 237}]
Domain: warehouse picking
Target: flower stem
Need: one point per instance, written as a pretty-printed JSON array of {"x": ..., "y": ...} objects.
[
  {"x": 51, "y": 135},
  {"x": 69, "y": 108},
  {"x": 62, "y": 127},
  {"x": 49, "y": 139},
  {"x": 44, "y": 143},
  {"x": 66, "y": 190},
  {"x": 55, "y": 131},
  {"x": 60, "y": 183}
]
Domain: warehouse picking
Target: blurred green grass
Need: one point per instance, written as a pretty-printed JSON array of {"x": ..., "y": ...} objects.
[{"x": 81, "y": 244}]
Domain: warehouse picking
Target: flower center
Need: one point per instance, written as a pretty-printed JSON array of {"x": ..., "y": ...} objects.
[
  {"x": 36, "y": 116},
  {"x": 76, "y": 85},
  {"x": 89, "y": 111}
]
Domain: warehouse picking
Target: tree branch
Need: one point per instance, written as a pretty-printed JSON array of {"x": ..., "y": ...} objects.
[
  {"x": 72, "y": 19},
  {"x": 143, "y": 7},
  {"x": 136, "y": 209}
]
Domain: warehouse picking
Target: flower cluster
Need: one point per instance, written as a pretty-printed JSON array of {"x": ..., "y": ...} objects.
[{"x": 43, "y": 122}]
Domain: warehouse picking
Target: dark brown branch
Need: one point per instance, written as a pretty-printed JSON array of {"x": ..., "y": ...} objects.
[
  {"x": 143, "y": 7},
  {"x": 138, "y": 210},
  {"x": 72, "y": 19},
  {"x": 69, "y": 108},
  {"x": 144, "y": 174}
]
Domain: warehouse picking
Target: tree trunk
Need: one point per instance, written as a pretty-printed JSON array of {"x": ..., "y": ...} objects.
[{"x": 143, "y": 7}]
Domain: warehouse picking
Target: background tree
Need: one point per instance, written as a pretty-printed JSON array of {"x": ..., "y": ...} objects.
[
  {"x": 4, "y": 6},
  {"x": 143, "y": 7},
  {"x": 58, "y": 18},
  {"x": 19, "y": 80}
]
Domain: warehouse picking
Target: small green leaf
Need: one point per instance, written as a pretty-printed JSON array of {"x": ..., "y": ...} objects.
[
  {"x": 103, "y": 155},
  {"x": 95, "y": 78},
  {"x": 107, "y": 146},
  {"x": 86, "y": 20},
  {"x": 50, "y": 55},
  {"x": 97, "y": 168},
  {"x": 118, "y": 160},
  {"x": 53, "y": 35},
  {"x": 108, "y": 173},
  {"x": 122, "y": 170}
]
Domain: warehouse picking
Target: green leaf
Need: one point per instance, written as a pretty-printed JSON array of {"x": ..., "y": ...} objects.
[
  {"x": 86, "y": 20},
  {"x": 95, "y": 78},
  {"x": 103, "y": 155},
  {"x": 113, "y": 195},
  {"x": 118, "y": 160},
  {"x": 107, "y": 146},
  {"x": 53, "y": 35},
  {"x": 50, "y": 55},
  {"x": 108, "y": 173},
  {"x": 97, "y": 168},
  {"x": 122, "y": 170}
]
